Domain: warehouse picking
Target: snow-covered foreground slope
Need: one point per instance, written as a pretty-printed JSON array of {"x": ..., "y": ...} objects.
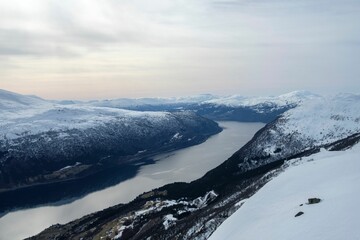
[{"x": 269, "y": 214}]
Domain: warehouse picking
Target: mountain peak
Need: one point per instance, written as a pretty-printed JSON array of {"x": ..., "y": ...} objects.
[
  {"x": 303, "y": 94},
  {"x": 11, "y": 100}
]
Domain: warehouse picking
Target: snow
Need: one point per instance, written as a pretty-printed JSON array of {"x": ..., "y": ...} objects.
[
  {"x": 68, "y": 167},
  {"x": 334, "y": 177},
  {"x": 276, "y": 102},
  {"x": 26, "y": 115},
  {"x": 133, "y": 102},
  {"x": 176, "y": 136},
  {"x": 13, "y": 101},
  {"x": 291, "y": 98},
  {"x": 169, "y": 220},
  {"x": 324, "y": 120},
  {"x": 29, "y": 115},
  {"x": 9, "y": 100},
  {"x": 201, "y": 202},
  {"x": 23, "y": 115},
  {"x": 240, "y": 203}
]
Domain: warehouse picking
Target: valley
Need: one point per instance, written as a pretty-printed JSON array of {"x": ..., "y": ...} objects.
[
  {"x": 195, "y": 210},
  {"x": 178, "y": 184},
  {"x": 183, "y": 165},
  {"x": 179, "y": 120}
]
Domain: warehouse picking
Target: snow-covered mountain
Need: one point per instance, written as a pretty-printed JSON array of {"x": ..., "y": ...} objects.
[
  {"x": 233, "y": 107},
  {"x": 250, "y": 109},
  {"x": 259, "y": 103},
  {"x": 332, "y": 177},
  {"x": 147, "y": 102},
  {"x": 292, "y": 98},
  {"x": 309, "y": 126},
  {"x": 36, "y": 133},
  {"x": 169, "y": 212},
  {"x": 39, "y": 138},
  {"x": 13, "y": 102}
]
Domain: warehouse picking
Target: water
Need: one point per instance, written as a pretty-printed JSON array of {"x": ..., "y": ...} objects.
[{"x": 181, "y": 165}]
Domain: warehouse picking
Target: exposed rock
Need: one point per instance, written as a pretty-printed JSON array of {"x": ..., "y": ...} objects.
[
  {"x": 313, "y": 200},
  {"x": 299, "y": 214}
]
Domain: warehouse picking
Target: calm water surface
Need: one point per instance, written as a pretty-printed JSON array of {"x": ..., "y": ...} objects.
[{"x": 181, "y": 165}]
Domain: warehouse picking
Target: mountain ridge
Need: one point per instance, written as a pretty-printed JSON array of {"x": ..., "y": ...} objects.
[
  {"x": 39, "y": 138},
  {"x": 238, "y": 178}
]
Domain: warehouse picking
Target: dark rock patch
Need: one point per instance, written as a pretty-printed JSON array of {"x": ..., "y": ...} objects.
[
  {"x": 313, "y": 200},
  {"x": 299, "y": 214}
]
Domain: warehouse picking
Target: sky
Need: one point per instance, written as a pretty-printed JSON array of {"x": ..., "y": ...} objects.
[{"x": 98, "y": 49}]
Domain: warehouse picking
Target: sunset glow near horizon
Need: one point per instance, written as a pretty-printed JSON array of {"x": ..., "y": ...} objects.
[{"x": 97, "y": 49}]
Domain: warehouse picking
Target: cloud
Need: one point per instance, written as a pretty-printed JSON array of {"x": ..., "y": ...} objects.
[
  {"x": 61, "y": 27},
  {"x": 174, "y": 43}
]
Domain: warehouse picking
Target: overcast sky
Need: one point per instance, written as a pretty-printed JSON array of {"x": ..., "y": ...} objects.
[{"x": 87, "y": 49}]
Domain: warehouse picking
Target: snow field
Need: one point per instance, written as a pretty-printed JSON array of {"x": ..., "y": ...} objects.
[{"x": 269, "y": 214}]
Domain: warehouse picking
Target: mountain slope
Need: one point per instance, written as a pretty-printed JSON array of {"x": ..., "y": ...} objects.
[
  {"x": 10, "y": 101},
  {"x": 281, "y": 101},
  {"x": 308, "y": 127},
  {"x": 234, "y": 107},
  {"x": 40, "y": 140},
  {"x": 331, "y": 176},
  {"x": 171, "y": 212}
]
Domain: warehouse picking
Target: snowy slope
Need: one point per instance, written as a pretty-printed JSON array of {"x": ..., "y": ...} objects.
[
  {"x": 30, "y": 121},
  {"x": 325, "y": 120},
  {"x": 269, "y": 214},
  {"x": 40, "y": 137},
  {"x": 10, "y": 101},
  {"x": 292, "y": 98},
  {"x": 233, "y": 101},
  {"x": 222, "y": 108},
  {"x": 309, "y": 126},
  {"x": 29, "y": 115},
  {"x": 133, "y": 102},
  {"x": 331, "y": 123}
]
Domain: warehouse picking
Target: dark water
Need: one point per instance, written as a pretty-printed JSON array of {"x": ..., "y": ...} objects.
[
  {"x": 181, "y": 165},
  {"x": 60, "y": 193}
]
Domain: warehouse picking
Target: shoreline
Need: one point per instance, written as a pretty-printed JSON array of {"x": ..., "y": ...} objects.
[{"x": 80, "y": 186}]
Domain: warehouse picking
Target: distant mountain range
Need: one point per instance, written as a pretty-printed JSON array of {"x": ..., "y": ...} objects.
[
  {"x": 194, "y": 210},
  {"x": 233, "y": 107}
]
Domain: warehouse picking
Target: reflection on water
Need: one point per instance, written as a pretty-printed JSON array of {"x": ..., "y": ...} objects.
[
  {"x": 71, "y": 190},
  {"x": 181, "y": 165}
]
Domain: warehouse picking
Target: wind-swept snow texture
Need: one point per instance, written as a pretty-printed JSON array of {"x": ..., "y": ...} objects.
[{"x": 334, "y": 177}]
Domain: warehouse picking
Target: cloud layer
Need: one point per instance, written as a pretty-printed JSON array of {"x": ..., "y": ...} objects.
[{"x": 132, "y": 48}]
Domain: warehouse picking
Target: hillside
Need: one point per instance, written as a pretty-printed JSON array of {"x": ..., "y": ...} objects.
[
  {"x": 194, "y": 210},
  {"x": 233, "y": 107},
  {"x": 41, "y": 141},
  {"x": 331, "y": 176}
]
